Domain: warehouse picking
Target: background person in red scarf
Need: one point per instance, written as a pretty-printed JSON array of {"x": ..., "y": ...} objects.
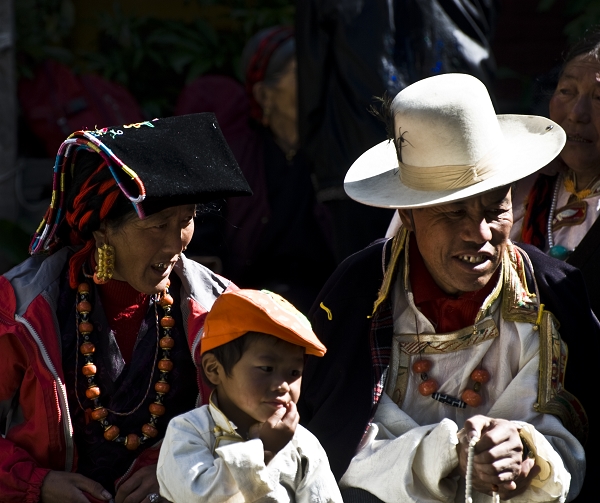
[
  {"x": 278, "y": 238},
  {"x": 99, "y": 330}
]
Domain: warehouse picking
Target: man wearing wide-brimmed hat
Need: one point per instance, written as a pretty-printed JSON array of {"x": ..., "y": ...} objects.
[{"x": 449, "y": 332}]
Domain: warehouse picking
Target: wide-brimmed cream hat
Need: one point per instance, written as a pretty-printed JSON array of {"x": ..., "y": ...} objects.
[{"x": 453, "y": 146}]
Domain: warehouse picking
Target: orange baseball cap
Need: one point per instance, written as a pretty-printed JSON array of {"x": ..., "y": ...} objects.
[{"x": 237, "y": 312}]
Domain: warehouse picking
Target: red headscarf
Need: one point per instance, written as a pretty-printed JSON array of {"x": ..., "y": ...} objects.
[{"x": 259, "y": 62}]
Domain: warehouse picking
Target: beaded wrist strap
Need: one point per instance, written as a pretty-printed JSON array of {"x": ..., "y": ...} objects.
[{"x": 469, "y": 475}]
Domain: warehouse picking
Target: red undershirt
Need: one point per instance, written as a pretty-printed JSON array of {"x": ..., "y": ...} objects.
[
  {"x": 447, "y": 313},
  {"x": 125, "y": 309}
]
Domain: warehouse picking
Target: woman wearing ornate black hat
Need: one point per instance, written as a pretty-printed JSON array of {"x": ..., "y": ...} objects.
[{"x": 99, "y": 336}]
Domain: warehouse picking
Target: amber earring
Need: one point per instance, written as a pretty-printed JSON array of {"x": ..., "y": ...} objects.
[{"x": 106, "y": 264}]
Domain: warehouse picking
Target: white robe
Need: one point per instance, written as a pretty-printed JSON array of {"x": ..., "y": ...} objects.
[
  {"x": 409, "y": 453},
  {"x": 203, "y": 459}
]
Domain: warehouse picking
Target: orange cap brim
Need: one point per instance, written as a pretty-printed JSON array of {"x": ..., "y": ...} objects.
[{"x": 238, "y": 312}]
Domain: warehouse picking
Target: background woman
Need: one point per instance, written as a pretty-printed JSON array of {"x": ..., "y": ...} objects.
[
  {"x": 277, "y": 239},
  {"x": 95, "y": 338},
  {"x": 561, "y": 204}
]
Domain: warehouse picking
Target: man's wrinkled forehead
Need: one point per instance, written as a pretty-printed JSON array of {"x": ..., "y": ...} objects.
[{"x": 501, "y": 197}]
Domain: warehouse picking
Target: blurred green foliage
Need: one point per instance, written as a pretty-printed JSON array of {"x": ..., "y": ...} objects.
[
  {"x": 154, "y": 58},
  {"x": 42, "y": 27},
  {"x": 14, "y": 243},
  {"x": 583, "y": 15}
]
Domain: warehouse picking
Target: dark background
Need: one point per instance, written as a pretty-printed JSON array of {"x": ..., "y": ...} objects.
[{"x": 155, "y": 47}]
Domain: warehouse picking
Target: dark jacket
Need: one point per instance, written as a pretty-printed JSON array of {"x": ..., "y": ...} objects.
[{"x": 350, "y": 51}]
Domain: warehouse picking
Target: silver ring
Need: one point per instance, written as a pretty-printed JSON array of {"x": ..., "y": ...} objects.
[{"x": 153, "y": 497}]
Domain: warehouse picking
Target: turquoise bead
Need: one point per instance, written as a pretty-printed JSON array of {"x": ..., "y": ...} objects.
[{"x": 559, "y": 252}]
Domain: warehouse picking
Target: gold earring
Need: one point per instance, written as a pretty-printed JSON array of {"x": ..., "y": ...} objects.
[{"x": 106, "y": 264}]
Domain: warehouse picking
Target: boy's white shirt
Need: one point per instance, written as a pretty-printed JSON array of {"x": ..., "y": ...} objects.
[{"x": 195, "y": 466}]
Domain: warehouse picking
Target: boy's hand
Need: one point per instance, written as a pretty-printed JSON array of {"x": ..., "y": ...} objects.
[
  {"x": 498, "y": 459},
  {"x": 276, "y": 431}
]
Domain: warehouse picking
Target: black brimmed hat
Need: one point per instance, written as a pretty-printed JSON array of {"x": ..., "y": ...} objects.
[{"x": 157, "y": 164}]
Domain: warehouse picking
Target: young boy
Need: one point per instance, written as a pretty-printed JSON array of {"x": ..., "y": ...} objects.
[{"x": 246, "y": 444}]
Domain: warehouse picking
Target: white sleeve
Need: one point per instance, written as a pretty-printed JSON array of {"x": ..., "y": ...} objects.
[
  {"x": 317, "y": 482},
  {"x": 255, "y": 480},
  {"x": 412, "y": 467},
  {"x": 557, "y": 452},
  {"x": 188, "y": 472}
]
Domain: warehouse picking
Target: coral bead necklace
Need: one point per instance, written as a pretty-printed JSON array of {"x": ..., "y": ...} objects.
[
  {"x": 428, "y": 386},
  {"x": 99, "y": 413}
]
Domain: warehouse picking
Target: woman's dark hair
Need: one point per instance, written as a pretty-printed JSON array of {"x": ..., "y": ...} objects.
[{"x": 588, "y": 46}]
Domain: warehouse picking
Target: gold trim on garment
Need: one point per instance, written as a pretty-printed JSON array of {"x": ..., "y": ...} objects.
[
  {"x": 220, "y": 432},
  {"x": 414, "y": 344},
  {"x": 518, "y": 303},
  {"x": 553, "y": 398}
]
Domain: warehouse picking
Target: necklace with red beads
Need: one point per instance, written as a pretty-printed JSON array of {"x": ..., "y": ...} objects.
[
  {"x": 99, "y": 413},
  {"x": 429, "y": 387}
]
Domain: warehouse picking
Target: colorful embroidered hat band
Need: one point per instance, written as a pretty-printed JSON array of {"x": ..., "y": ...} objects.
[
  {"x": 156, "y": 164},
  {"x": 43, "y": 238}
]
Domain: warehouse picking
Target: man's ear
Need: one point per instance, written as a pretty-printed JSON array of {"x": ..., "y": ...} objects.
[
  {"x": 213, "y": 370},
  {"x": 407, "y": 220}
]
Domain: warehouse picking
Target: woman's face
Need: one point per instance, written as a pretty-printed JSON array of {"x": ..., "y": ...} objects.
[
  {"x": 279, "y": 102},
  {"x": 146, "y": 250},
  {"x": 575, "y": 105},
  {"x": 285, "y": 93}
]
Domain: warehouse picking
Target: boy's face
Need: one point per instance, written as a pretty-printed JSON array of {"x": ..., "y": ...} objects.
[{"x": 267, "y": 377}]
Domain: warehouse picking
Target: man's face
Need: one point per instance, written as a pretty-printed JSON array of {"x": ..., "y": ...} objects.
[{"x": 462, "y": 243}]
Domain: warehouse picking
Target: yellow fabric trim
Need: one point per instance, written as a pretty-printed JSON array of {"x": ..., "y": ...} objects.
[
  {"x": 449, "y": 342},
  {"x": 553, "y": 398},
  {"x": 327, "y": 310},
  {"x": 398, "y": 243}
]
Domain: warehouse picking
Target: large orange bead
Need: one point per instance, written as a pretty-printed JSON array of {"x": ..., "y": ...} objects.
[
  {"x": 111, "y": 433},
  {"x": 84, "y": 307},
  {"x": 132, "y": 442},
  {"x": 480, "y": 375},
  {"x": 89, "y": 369},
  {"x": 167, "y": 322},
  {"x": 421, "y": 366},
  {"x": 471, "y": 398},
  {"x": 93, "y": 392},
  {"x": 85, "y": 327},
  {"x": 87, "y": 348},
  {"x": 100, "y": 413},
  {"x": 165, "y": 365},
  {"x": 83, "y": 288},
  {"x": 166, "y": 300},
  {"x": 428, "y": 387},
  {"x": 167, "y": 342},
  {"x": 156, "y": 409},
  {"x": 162, "y": 387},
  {"x": 149, "y": 430}
]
